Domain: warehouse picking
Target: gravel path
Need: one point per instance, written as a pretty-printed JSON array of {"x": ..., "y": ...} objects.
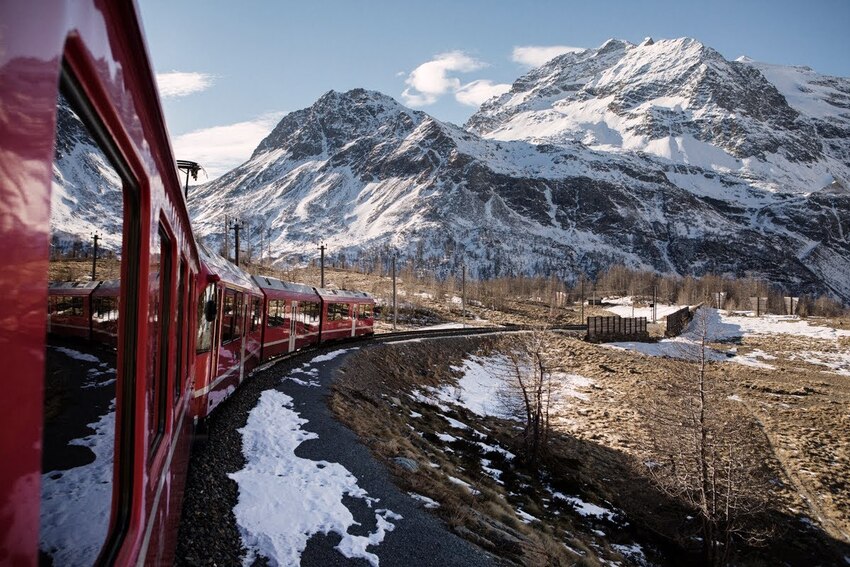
[{"x": 208, "y": 533}]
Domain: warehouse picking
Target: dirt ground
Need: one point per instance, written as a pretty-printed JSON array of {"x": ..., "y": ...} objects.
[{"x": 802, "y": 418}]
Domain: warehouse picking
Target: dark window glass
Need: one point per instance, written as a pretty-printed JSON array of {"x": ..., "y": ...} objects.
[
  {"x": 277, "y": 313},
  {"x": 178, "y": 319},
  {"x": 256, "y": 313},
  {"x": 238, "y": 315}
]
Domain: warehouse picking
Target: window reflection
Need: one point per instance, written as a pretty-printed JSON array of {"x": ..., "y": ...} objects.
[{"x": 83, "y": 327}]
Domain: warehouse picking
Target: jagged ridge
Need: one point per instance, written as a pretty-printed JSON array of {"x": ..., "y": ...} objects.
[{"x": 366, "y": 173}]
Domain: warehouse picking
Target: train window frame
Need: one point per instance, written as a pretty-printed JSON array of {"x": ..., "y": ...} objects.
[
  {"x": 124, "y": 475},
  {"x": 160, "y": 377},
  {"x": 228, "y": 314},
  {"x": 276, "y": 313},
  {"x": 239, "y": 316},
  {"x": 204, "y": 329},
  {"x": 179, "y": 321},
  {"x": 256, "y": 313}
]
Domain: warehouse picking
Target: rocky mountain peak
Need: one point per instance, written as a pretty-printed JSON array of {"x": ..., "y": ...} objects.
[{"x": 335, "y": 118}]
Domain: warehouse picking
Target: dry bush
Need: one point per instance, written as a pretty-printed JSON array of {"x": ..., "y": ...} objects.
[{"x": 705, "y": 456}]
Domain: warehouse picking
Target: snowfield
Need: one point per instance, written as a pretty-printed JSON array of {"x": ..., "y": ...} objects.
[{"x": 722, "y": 327}]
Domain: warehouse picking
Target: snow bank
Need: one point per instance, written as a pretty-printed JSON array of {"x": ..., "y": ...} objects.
[
  {"x": 76, "y": 503},
  {"x": 284, "y": 499}
]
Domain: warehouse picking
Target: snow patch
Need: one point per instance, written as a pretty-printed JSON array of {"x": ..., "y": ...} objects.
[{"x": 284, "y": 499}]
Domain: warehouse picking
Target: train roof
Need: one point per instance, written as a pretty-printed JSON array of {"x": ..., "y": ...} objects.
[
  {"x": 268, "y": 282},
  {"x": 72, "y": 288},
  {"x": 108, "y": 287},
  {"x": 343, "y": 294},
  {"x": 226, "y": 270}
]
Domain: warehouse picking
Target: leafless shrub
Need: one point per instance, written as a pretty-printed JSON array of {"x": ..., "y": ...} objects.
[
  {"x": 527, "y": 390},
  {"x": 705, "y": 455}
]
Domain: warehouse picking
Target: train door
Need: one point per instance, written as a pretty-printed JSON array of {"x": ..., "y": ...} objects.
[
  {"x": 230, "y": 350},
  {"x": 292, "y": 326},
  {"x": 353, "y": 313}
]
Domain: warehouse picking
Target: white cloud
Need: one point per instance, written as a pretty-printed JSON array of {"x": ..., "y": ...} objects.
[
  {"x": 178, "y": 83},
  {"x": 537, "y": 55},
  {"x": 431, "y": 80},
  {"x": 221, "y": 148},
  {"x": 476, "y": 92}
]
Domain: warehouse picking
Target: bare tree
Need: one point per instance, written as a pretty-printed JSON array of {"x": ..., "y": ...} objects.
[
  {"x": 527, "y": 391},
  {"x": 707, "y": 453}
]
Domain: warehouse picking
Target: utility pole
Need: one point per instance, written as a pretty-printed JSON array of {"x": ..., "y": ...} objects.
[
  {"x": 582, "y": 299},
  {"x": 463, "y": 297},
  {"x": 322, "y": 264},
  {"x": 226, "y": 238},
  {"x": 269, "y": 243},
  {"x": 247, "y": 227},
  {"x": 95, "y": 237},
  {"x": 654, "y": 303},
  {"x": 237, "y": 226},
  {"x": 395, "y": 310}
]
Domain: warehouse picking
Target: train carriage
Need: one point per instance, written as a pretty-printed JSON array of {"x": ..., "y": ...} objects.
[
  {"x": 229, "y": 324},
  {"x": 81, "y": 125},
  {"x": 69, "y": 308},
  {"x": 346, "y": 314},
  {"x": 97, "y": 430},
  {"x": 291, "y": 316}
]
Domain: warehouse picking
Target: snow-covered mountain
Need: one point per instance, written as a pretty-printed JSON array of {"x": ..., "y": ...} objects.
[
  {"x": 86, "y": 193},
  {"x": 662, "y": 155},
  {"x": 780, "y": 129}
]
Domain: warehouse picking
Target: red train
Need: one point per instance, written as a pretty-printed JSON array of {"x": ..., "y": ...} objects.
[
  {"x": 244, "y": 320},
  {"x": 101, "y": 390}
]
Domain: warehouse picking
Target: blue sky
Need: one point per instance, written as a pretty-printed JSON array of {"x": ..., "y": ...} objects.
[{"x": 229, "y": 70}]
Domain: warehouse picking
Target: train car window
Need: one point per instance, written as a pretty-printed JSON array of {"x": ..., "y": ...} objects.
[
  {"x": 160, "y": 319},
  {"x": 105, "y": 309},
  {"x": 313, "y": 314},
  {"x": 276, "y": 313},
  {"x": 94, "y": 236},
  {"x": 203, "y": 342},
  {"x": 178, "y": 320},
  {"x": 228, "y": 332},
  {"x": 256, "y": 314},
  {"x": 238, "y": 315},
  {"x": 338, "y": 311}
]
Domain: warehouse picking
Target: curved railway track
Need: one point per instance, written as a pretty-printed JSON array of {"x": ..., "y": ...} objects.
[
  {"x": 468, "y": 331},
  {"x": 421, "y": 334}
]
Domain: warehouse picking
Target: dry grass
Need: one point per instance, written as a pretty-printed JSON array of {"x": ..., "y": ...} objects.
[
  {"x": 79, "y": 270},
  {"x": 371, "y": 398},
  {"x": 799, "y": 413}
]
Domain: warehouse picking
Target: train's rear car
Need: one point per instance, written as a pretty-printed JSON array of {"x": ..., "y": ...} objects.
[
  {"x": 291, "y": 316},
  {"x": 94, "y": 435},
  {"x": 69, "y": 308},
  {"x": 346, "y": 314}
]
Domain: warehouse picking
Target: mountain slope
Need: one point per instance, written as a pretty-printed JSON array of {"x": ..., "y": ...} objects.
[
  {"x": 364, "y": 173},
  {"x": 681, "y": 101}
]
